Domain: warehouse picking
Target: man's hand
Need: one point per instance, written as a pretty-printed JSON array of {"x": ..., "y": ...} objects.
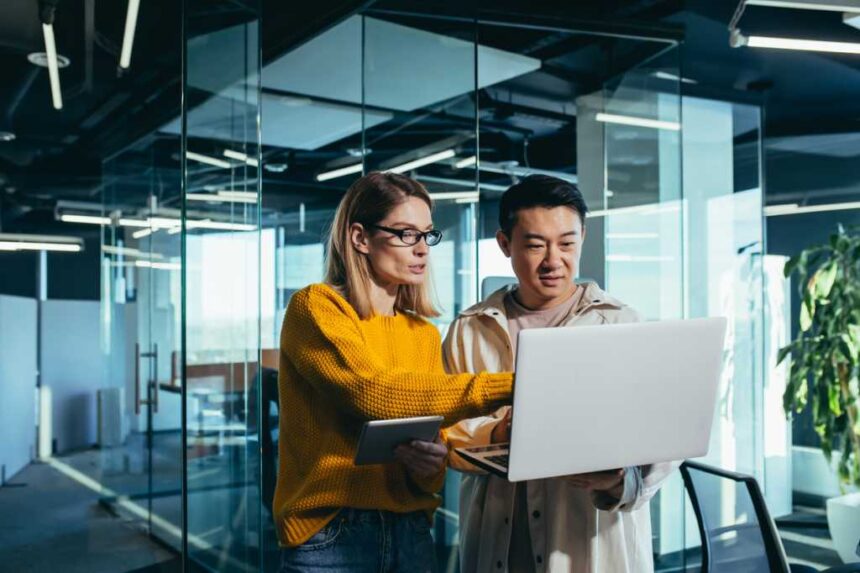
[
  {"x": 422, "y": 459},
  {"x": 610, "y": 481},
  {"x": 502, "y": 431}
]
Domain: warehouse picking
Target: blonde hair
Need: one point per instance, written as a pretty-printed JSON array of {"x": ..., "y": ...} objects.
[{"x": 368, "y": 201}]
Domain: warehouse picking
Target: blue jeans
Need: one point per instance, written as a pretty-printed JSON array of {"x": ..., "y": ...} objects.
[{"x": 366, "y": 541}]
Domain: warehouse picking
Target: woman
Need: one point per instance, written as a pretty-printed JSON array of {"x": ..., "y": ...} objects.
[{"x": 355, "y": 348}]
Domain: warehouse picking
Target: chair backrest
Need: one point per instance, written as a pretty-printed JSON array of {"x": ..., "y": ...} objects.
[{"x": 738, "y": 534}]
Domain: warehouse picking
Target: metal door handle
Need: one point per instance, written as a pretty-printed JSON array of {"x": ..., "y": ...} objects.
[{"x": 155, "y": 376}]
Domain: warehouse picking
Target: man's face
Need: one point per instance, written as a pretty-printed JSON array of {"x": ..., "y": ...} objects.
[{"x": 544, "y": 248}]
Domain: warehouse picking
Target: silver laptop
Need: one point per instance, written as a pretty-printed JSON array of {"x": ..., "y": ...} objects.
[{"x": 595, "y": 398}]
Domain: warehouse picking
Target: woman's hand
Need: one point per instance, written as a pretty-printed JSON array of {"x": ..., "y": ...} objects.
[{"x": 423, "y": 459}]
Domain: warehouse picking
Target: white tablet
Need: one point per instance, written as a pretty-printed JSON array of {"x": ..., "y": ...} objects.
[{"x": 380, "y": 437}]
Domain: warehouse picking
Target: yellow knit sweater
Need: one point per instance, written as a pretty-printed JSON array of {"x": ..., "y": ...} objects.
[{"x": 336, "y": 372}]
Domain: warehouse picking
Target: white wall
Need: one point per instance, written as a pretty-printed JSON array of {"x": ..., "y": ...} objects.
[
  {"x": 72, "y": 365},
  {"x": 17, "y": 382}
]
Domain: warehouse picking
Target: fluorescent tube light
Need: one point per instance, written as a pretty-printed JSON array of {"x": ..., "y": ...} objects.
[
  {"x": 795, "y": 209},
  {"x": 214, "y": 161},
  {"x": 826, "y": 5},
  {"x": 220, "y": 225},
  {"x": 130, "y": 252},
  {"x": 455, "y": 195},
  {"x": 467, "y": 162},
  {"x": 638, "y": 121},
  {"x": 161, "y": 266},
  {"x": 239, "y": 156},
  {"x": 53, "y": 66},
  {"x": 224, "y": 197},
  {"x": 28, "y": 246},
  {"x": 142, "y": 233},
  {"x": 802, "y": 45},
  {"x": 340, "y": 172},
  {"x": 134, "y": 223},
  {"x": 28, "y": 242},
  {"x": 433, "y": 158},
  {"x": 86, "y": 219},
  {"x": 128, "y": 36}
]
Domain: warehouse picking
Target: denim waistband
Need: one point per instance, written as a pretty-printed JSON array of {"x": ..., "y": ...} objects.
[{"x": 356, "y": 515}]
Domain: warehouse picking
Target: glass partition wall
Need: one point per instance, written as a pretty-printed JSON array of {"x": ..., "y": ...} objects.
[{"x": 214, "y": 221}]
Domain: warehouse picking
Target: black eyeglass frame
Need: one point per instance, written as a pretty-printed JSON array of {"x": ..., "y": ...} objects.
[{"x": 432, "y": 237}]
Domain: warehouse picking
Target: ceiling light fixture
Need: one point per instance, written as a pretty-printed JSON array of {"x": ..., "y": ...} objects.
[
  {"x": 214, "y": 161},
  {"x": 53, "y": 65},
  {"x": 739, "y": 40},
  {"x": 637, "y": 121},
  {"x": 86, "y": 219},
  {"x": 825, "y": 5},
  {"x": 128, "y": 36},
  {"x": 340, "y": 172},
  {"x": 224, "y": 197},
  {"x": 795, "y": 209},
  {"x": 239, "y": 156},
  {"x": 275, "y": 167},
  {"x": 7, "y": 136},
  {"x": 421, "y": 162},
  {"x": 16, "y": 242},
  {"x": 455, "y": 195},
  {"x": 467, "y": 162},
  {"x": 142, "y": 233},
  {"x": 851, "y": 8}
]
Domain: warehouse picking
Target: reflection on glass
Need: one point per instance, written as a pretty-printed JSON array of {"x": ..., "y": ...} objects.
[{"x": 223, "y": 307}]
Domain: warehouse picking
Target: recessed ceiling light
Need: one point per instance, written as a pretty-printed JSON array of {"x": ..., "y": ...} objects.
[
  {"x": 41, "y": 59},
  {"x": 7, "y": 136},
  {"x": 275, "y": 167}
]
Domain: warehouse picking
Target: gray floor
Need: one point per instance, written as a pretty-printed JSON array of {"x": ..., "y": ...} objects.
[{"x": 50, "y": 523}]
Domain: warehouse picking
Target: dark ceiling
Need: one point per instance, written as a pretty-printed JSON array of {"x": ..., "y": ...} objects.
[{"x": 60, "y": 155}]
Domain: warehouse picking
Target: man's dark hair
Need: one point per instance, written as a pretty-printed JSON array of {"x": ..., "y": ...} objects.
[{"x": 539, "y": 191}]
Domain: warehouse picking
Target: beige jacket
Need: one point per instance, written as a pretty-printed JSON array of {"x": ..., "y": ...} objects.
[{"x": 571, "y": 531}]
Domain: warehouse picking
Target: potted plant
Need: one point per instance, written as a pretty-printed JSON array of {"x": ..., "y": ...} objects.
[{"x": 825, "y": 369}]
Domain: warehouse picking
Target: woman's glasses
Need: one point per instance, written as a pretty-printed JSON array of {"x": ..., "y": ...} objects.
[{"x": 413, "y": 236}]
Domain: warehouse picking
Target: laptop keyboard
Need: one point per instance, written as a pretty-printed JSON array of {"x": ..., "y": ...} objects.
[{"x": 501, "y": 460}]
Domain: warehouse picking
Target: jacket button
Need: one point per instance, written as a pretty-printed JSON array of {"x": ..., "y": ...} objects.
[
  {"x": 507, "y": 521},
  {"x": 539, "y": 559},
  {"x": 499, "y": 564},
  {"x": 536, "y": 514}
]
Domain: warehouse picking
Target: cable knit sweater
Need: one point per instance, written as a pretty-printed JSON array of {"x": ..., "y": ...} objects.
[{"x": 338, "y": 371}]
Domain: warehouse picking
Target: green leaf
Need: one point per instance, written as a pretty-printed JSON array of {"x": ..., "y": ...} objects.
[
  {"x": 833, "y": 399},
  {"x": 826, "y": 276},
  {"x": 790, "y": 266},
  {"x": 848, "y": 347},
  {"x": 805, "y": 316},
  {"x": 784, "y": 352}
]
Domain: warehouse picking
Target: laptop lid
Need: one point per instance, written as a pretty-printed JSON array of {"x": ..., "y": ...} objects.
[{"x": 593, "y": 398}]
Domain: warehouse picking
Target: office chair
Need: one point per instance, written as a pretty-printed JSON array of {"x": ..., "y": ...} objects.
[
  {"x": 746, "y": 540},
  {"x": 268, "y": 430}
]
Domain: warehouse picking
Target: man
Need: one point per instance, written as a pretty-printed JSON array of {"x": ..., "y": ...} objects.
[{"x": 583, "y": 523}]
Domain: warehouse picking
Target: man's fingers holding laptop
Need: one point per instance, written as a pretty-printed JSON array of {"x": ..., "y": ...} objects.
[
  {"x": 597, "y": 481},
  {"x": 422, "y": 459},
  {"x": 502, "y": 431}
]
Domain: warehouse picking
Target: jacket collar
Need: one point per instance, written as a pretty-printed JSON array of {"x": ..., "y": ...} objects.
[{"x": 494, "y": 305}]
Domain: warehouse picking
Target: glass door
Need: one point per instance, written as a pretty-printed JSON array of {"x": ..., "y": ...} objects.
[{"x": 140, "y": 336}]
